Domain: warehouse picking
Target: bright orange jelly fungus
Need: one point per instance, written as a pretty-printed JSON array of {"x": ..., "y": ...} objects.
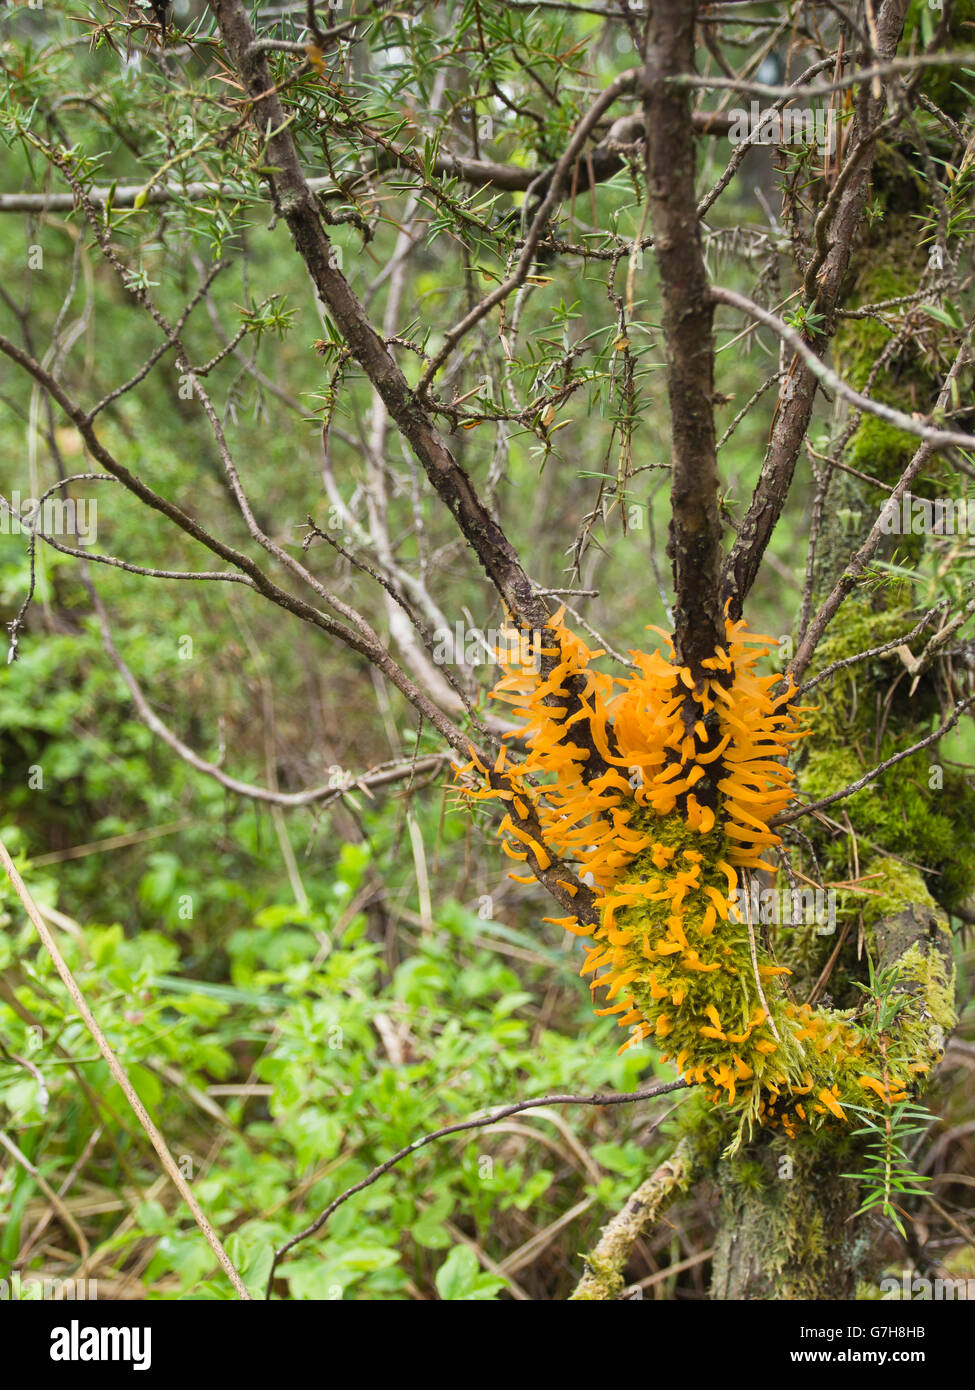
[{"x": 673, "y": 955}]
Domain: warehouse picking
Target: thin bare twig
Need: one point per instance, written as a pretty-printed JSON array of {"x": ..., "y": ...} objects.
[
  {"x": 788, "y": 816},
  {"x": 481, "y": 1122}
]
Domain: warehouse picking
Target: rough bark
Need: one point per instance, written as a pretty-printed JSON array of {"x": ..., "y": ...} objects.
[
  {"x": 695, "y": 532},
  {"x": 784, "y": 1230}
]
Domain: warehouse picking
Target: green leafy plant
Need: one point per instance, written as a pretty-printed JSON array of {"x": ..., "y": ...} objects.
[{"x": 888, "y": 1175}]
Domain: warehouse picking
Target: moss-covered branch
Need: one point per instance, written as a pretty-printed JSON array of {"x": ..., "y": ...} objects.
[{"x": 606, "y": 1264}]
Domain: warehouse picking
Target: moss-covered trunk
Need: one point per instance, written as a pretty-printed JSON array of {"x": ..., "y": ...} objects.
[
  {"x": 787, "y": 1227},
  {"x": 784, "y": 1227}
]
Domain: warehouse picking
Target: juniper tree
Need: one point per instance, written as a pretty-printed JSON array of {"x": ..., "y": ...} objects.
[{"x": 599, "y": 319}]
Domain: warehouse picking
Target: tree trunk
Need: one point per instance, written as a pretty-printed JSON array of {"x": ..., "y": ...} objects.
[{"x": 784, "y": 1226}]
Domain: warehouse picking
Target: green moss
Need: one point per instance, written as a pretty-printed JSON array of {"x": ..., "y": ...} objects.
[
  {"x": 877, "y": 448},
  {"x": 859, "y": 342},
  {"x": 607, "y": 1281},
  {"x": 892, "y": 885},
  {"x": 857, "y": 628},
  {"x": 932, "y": 980},
  {"x": 705, "y": 1128},
  {"x": 674, "y": 832},
  {"x": 941, "y": 85},
  {"x": 883, "y": 451},
  {"x": 900, "y": 813},
  {"x": 797, "y": 1218},
  {"x": 751, "y": 1174}
]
